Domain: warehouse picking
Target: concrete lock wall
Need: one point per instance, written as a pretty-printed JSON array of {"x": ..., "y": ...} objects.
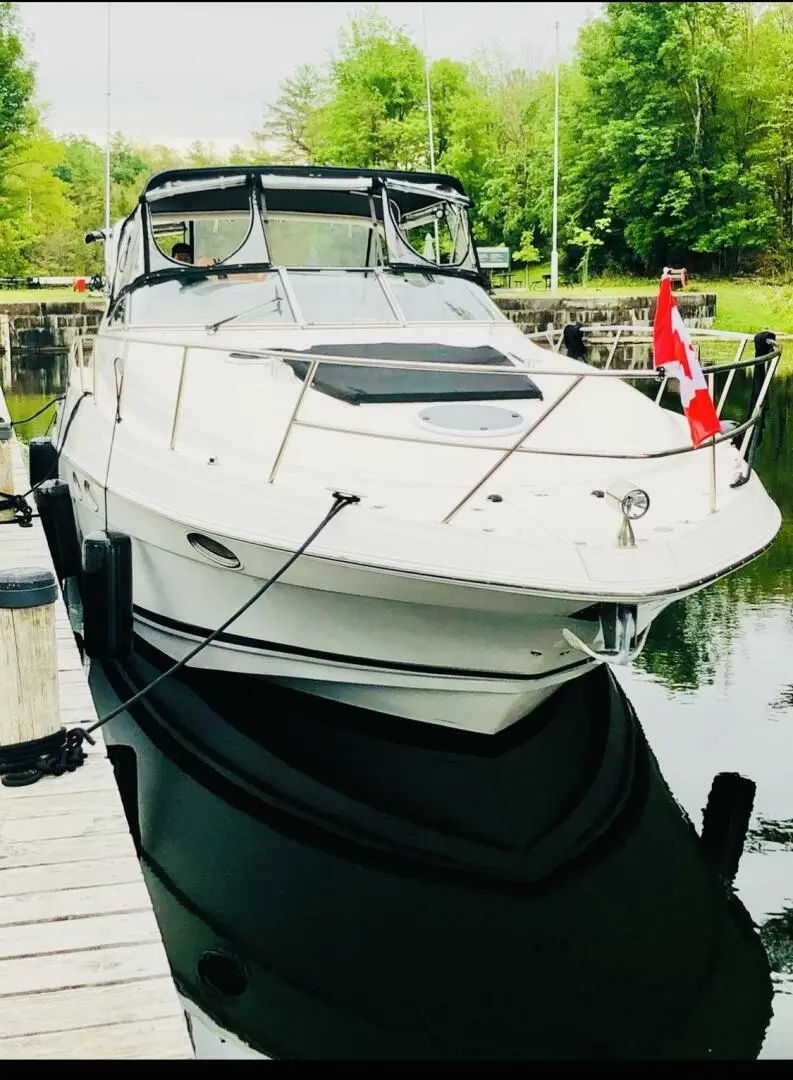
[
  {"x": 535, "y": 313},
  {"x": 47, "y": 328}
]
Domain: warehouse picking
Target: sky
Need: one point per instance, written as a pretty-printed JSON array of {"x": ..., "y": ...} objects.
[{"x": 181, "y": 72}]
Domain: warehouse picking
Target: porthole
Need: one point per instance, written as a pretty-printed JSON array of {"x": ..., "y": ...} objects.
[
  {"x": 222, "y": 973},
  {"x": 213, "y": 550}
]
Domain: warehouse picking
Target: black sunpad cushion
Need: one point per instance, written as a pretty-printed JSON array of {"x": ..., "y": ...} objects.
[{"x": 360, "y": 385}]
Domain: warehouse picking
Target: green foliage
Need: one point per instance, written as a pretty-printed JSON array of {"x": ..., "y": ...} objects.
[
  {"x": 289, "y": 122},
  {"x": 670, "y": 125},
  {"x": 36, "y": 219},
  {"x": 80, "y": 169},
  {"x": 676, "y": 126},
  {"x": 527, "y": 253},
  {"x": 676, "y": 141},
  {"x": 371, "y": 113},
  {"x": 17, "y": 83}
]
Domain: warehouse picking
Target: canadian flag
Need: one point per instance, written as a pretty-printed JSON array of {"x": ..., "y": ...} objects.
[{"x": 674, "y": 351}]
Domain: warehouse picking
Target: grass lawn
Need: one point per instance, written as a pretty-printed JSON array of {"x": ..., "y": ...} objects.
[
  {"x": 746, "y": 306},
  {"x": 43, "y": 296}
]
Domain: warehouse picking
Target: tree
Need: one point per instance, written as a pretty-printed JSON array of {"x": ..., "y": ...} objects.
[
  {"x": 658, "y": 148},
  {"x": 527, "y": 253},
  {"x": 81, "y": 169},
  {"x": 516, "y": 192},
  {"x": 771, "y": 76},
  {"x": 36, "y": 217},
  {"x": 588, "y": 239},
  {"x": 17, "y": 83},
  {"x": 676, "y": 140},
  {"x": 372, "y": 114},
  {"x": 289, "y": 121},
  {"x": 465, "y": 128}
]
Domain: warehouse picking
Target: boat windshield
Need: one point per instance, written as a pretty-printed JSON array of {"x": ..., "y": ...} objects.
[
  {"x": 298, "y": 220},
  {"x": 367, "y": 250},
  {"x": 336, "y": 296},
  {"x": 211, "y": 300},
  {"x": 435, "y": 298},
  {"x": 309, "y": 298},
  {"x": 314, "y": 240}
]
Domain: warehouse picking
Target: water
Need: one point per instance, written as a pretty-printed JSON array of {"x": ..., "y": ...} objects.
[{"x": 713, "y": 691}]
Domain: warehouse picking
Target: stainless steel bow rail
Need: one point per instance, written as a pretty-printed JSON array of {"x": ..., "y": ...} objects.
[{"x": 573, "y": 372}]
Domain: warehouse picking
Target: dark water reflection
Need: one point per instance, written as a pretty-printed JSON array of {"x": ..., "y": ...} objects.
[{"x": 713, "y": 690}]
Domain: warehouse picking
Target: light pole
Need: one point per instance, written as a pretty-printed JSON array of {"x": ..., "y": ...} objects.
[
  {"x": 107, "y": 131},
  {"x": 427, "y": 86},
  {"x": 554, "y": 250},
  {"x": 429, "y": 116}
]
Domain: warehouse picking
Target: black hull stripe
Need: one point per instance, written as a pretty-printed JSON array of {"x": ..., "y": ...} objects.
[{"x": 341, "y": 658}]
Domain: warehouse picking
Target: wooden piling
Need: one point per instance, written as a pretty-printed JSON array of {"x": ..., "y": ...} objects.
[{"x": 29, "y": 696}]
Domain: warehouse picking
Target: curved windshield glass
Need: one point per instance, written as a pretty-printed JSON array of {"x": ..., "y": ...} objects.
[
  {"x": 315, "y": 240},
  {"x": 324, "y": 297},
  {"x": 437, "y": 298},
  {"x": 258, "y": 298},
  {"x": 437, "y": 233},
  {"x": 338, "y": 297},
  {"x": 200, "y": 239}
]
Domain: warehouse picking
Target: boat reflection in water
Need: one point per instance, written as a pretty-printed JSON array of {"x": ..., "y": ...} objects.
[{"x": 333, "y": 885}]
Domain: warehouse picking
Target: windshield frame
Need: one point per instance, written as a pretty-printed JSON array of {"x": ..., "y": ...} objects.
[
  {"x": 253, "y": 182},
  {"x": 299, "y": 320}
]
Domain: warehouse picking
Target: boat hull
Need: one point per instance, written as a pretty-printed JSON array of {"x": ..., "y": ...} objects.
[
  {"x": 470, "y": 623},
  {"x": 440, "y": 652}
]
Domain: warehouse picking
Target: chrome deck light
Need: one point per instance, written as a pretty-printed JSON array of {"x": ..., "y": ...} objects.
[{"x": 631, "y": 501}]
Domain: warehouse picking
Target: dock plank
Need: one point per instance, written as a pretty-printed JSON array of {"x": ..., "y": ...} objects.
[
  {"x": 35, "y": 907},
  {"x": 55, "y": 801},
  {"x": 62, "y": 1010},
  {"x": 64, "y": 849},
  {"x": 20, "y": 975},
  {"x": 64, "y": 877},
  {"x": 138, "y": 1039},
  {"x": 72, "y": 935},
  {"x": 83, "y": 971},
  {"x": 89, "y": 823}
]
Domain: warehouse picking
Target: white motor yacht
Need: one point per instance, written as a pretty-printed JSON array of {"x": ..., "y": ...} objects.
[{"x": 275, "y": 335}]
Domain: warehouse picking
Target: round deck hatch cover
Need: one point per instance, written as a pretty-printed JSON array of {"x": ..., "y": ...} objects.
[{"x": 470, "y": 418}]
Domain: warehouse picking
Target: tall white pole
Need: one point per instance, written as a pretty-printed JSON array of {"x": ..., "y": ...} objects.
[
  {"x": 429, "y": 115},
  {"x": 554, "y": 249},
  {"x": 427, "y": 83},
  {"x": 107, "y": 129}
]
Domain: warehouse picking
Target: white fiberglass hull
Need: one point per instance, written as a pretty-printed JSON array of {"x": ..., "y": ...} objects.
[
  {"x": 212, "y": 1042},
  {"x": 436, "y": 652},
  {"x": 392, "y": 609}
]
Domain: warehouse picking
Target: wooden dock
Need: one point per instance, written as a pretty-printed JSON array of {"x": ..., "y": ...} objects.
[{"x": 83, "y": 970}]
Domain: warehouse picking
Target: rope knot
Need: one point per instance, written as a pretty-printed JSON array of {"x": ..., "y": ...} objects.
[{"x": 51, "y": 756}]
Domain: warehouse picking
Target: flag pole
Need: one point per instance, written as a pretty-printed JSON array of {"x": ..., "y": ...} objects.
[
  {"x": 554, "y": 250},
  {"x": 429, "y": 115},
  {"x": 107, "y": 129},
  {"x": 713, "y": 475},
  {"x": 711, "y": 390}
]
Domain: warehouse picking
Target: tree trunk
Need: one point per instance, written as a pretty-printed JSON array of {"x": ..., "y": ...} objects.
[{"x": 697, "y": 117}]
